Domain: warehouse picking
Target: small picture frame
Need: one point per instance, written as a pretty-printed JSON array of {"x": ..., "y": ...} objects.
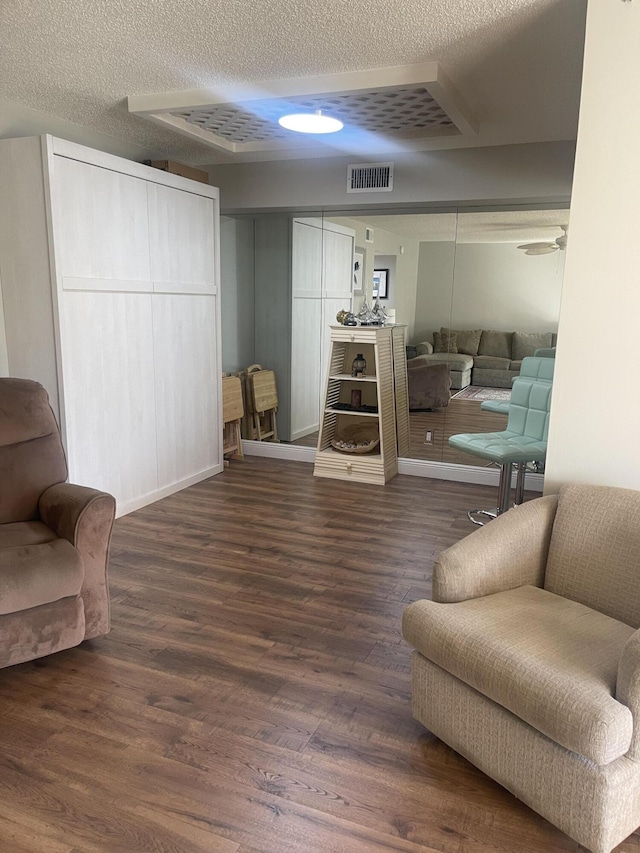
[
  {"x": 358, "y": 270},
  {"x": 381, "y": 284}
]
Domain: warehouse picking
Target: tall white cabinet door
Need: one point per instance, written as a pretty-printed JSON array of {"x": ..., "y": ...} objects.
[
  {"x": 186, "y": 379},
  {"x": 306, "y": 260},
  {"x": 109, "y": 401},
  {"x": 338, "y": 265},
  {"x": 305, "y": 366},
  {"x": 181, "y": 231},
  {"x": 101, "y": 228}
]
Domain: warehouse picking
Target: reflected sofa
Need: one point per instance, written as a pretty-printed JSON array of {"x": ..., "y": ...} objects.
[
  {"x": 482, "y": 356},
  {"x": 54, "y": 536}
]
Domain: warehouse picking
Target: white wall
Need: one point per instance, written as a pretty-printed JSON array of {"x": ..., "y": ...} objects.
[
  {"x": 538, "y": 172},
  {"x": 435, "y": 289},
  {"x": 16, "y": 121},
  {"x": 495, "y": 286},
  {"x": 595, "y": 415}
]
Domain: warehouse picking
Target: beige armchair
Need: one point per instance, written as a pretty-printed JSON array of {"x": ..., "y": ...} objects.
[
  {"x": 54, "y": 537},
  {"x": 527, "y": 662}
]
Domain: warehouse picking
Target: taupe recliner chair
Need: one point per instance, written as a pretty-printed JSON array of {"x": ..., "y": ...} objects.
[
  {"x": 54, "y": 537},
  {"x": 527, "y": 661}
]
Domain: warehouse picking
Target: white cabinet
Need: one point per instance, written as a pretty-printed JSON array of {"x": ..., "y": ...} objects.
[{"x": 111, "y": 302}]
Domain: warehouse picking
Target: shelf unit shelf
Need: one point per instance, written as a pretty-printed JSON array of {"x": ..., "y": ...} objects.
[
  {"x": 347, "y": 377},
  {"x": 379, "y": 346},
  {"x": 353, "y": 413}
]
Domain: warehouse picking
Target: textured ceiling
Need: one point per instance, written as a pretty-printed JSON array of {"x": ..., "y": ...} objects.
[{"x": 516, "y": 62}]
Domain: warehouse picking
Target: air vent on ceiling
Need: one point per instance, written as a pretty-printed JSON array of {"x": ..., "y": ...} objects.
[{"x": 370, "y": 177}]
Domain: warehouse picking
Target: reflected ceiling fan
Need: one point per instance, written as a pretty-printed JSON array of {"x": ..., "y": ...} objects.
[{"x": 546, "y": 248}]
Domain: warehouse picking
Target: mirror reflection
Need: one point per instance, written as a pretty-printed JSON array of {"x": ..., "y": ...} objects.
[{"x": 476, "y": 291}]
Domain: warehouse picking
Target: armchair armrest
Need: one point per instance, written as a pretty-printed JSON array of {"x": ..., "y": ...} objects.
[
  {"x": 85, "y": 518},
  {"x": 508, "y": 552},
  {"x": 628, "y": 688}
]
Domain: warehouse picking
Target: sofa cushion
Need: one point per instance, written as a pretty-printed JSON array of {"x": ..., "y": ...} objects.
[
  {"x": 550, "y": 661},
  {"x": 525, "y": 343},
  {"x": 445, "y": 342},
  {"x": 36, "y": 567},
  {"x": 456, "y": 360},
  {"x": 468, "y": 340},
  {"x": 495, "y": 343},
  {"x": 491, "y": 362}
]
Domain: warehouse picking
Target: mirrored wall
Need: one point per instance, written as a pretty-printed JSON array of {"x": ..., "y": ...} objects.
[{"x": 476, "y": 290}]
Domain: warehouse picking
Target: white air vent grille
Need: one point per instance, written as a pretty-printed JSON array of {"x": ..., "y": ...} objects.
[{"x": 370, "y": 177}]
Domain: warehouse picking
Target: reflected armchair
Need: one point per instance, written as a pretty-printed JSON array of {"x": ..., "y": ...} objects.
[{"x": 54, "y": 536}]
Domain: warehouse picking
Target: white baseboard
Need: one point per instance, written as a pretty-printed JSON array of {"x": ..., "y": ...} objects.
[
  {"x": 480, "y": 476},
  {"x": 413, "y": 467},
  {"x": 137, "y": 503},
  {"x": 276, "y": 450}
]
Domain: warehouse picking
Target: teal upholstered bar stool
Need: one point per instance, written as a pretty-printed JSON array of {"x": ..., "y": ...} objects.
[
  {"x": 525, "y": 438},
  {"x": 532, "y": 368}
]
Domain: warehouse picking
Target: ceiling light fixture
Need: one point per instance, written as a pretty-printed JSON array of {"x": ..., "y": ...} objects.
[{"x": 315, "y": 122}]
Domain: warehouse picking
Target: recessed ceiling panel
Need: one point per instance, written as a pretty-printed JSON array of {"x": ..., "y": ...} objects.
[{"x": 407, "y": 102}]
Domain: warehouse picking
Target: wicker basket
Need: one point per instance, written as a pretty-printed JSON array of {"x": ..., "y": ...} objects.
[{"x": 363, "y": 438}]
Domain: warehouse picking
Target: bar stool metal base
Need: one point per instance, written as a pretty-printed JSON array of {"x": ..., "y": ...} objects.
[{"x": 504, "y": 493}]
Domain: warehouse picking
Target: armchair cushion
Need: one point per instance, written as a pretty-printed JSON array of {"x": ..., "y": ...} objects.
[
  {"x": 550, "y": 661},
  {"x": 36, "y": 567},
  {"x": 594, "y": 555}
]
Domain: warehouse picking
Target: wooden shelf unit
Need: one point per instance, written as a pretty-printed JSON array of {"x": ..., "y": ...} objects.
[{"x": 377, "y": 388}]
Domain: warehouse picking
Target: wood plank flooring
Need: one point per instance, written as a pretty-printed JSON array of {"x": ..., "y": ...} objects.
[{"x": 253, "y": 695}]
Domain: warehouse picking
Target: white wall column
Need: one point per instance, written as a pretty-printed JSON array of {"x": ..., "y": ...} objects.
[{"x": 595, "y": 414}]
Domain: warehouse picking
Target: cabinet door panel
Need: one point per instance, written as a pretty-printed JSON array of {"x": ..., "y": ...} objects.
[
  {"x": 305, "y": 366},
  {"x": 338, "y": 264},
  {"x": 109, "y": 401},
  {"x": 181, "y": 229},
  {"x": 306, "y": 260},
  {"x": 186, "y": 370},
  {"x": 100, "y": 223}
]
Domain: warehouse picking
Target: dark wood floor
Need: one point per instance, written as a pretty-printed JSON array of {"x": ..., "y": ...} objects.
[{"x": 253, "y": 695}]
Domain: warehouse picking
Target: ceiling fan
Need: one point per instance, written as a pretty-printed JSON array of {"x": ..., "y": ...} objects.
[{"x": 546, "y": 248}]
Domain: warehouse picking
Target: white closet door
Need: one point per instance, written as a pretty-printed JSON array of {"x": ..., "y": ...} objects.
[
  {"x": 109, "y": 401},
  {"x": 338, "y": 265},
  {"x": 101, "y": 227},
  {"x": 181, "y": 230},
  {"x": 306, "y": 260},
  {"x": 186, "y": 374},
  {"x": 305, "y": 366}
]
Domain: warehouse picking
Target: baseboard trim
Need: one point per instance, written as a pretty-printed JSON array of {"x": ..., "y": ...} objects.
[
  {"x": 275, "y": 450},
  {"x": 157, "y": 495},
  {"x": 412, "y": 467},
  {"x": 480, "y": 476}
]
